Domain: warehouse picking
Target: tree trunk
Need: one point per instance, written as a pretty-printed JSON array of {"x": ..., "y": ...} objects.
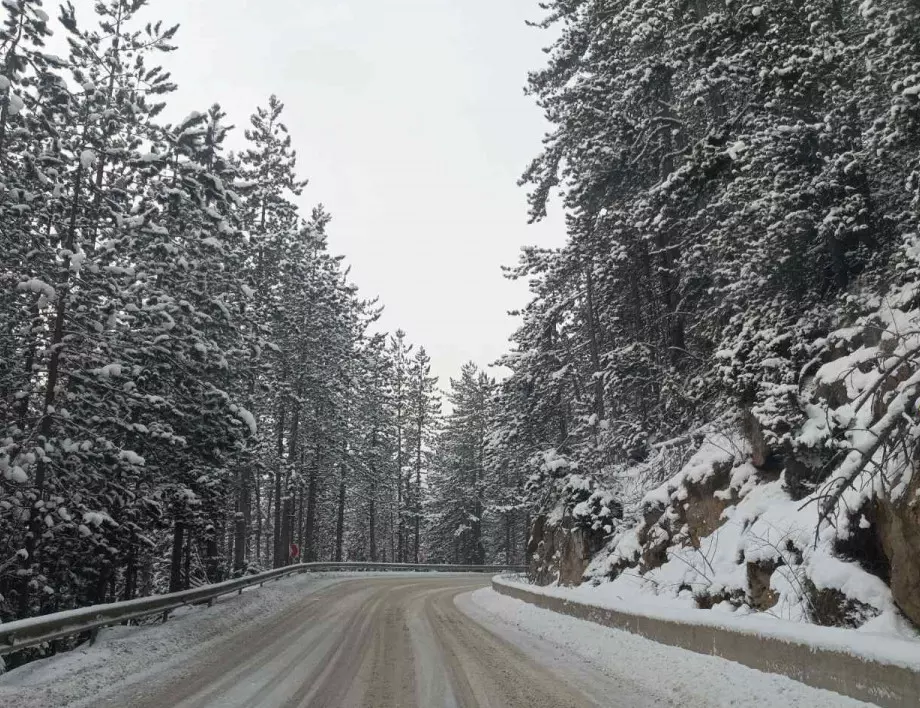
[
  {"x": 417, "y": 502},
  {"x": 674, "y": 329},
  {"x": 478, "y": 549},
  {"x": 279, "y": 471},
  {"x": 175, "y": 563},
  {"x": 287, "y": 518},
  {"x": 258, "y": 489},
  {"x": 300, "y": 520},
  {"x": 269, "y": 537},
  {"x": 212, "y": 558},
  {"x": 309, "y": 551},
  {"x": 372, "y": 521},
  {"x": 228, "y": 542},
  {"x": 187, "y": 583},
  {"x": 340, "y": 520},
  {"x": 131, "y": 570},
  {"x": 594, "y": 340},
  {"x": 393, "y": 535},
  {"x": 241, "y": 523},
  {"x": 398, "y": 521}
]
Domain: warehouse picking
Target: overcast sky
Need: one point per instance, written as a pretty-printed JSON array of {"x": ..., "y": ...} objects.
[{"x": 410, "y": 122}]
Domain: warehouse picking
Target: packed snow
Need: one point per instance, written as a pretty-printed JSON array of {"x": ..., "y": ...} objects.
[
  {"x": 599, "y": 660},
  {"x": 877, "y": 641},
  {"x": 124, "y": 653},
  {"x": 646, "y": 673}
]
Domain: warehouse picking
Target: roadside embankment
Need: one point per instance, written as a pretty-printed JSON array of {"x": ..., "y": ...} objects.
[{"x": 881, "y": 670}]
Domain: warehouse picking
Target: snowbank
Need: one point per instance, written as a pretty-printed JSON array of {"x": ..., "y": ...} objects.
[
  {"x": 645, "y": 673},
  {"x": 123, "y": 653},
  {"x": 877, "y": 646},
  {"x": 885, "y": 671}
]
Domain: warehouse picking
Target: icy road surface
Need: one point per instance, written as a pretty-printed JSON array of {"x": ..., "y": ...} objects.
[{"x": 388, "y": 641}]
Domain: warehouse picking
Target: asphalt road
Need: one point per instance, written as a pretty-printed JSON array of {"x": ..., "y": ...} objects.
[{"x": 367, "y": 643}]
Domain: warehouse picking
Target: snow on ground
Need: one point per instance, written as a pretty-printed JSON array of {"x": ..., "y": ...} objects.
[
  {"x": 880, "y": 645},
  {"x": 763, "y": 525},
  {"x": 126, "y": 652},
  {"x": 648, "y": 674}
]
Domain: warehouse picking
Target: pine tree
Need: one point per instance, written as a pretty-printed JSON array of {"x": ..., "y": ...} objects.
[
  {"x": 270, "y": 217},
  {"x": 398, "y": 352},
  {"x": 187, "y": 370},
  {"x": 458, "y": 478},
  {"x": 727, "y": 173},
  {"x": 422, "y": 417}
]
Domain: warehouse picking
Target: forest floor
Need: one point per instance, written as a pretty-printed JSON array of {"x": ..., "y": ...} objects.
[{"x": 385, "y": 640}]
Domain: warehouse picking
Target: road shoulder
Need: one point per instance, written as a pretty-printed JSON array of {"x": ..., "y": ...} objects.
[{"x": 645, "y": 673}]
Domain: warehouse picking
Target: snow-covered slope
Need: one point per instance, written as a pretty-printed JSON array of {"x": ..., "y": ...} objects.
[{"x": 809, "y": 516}]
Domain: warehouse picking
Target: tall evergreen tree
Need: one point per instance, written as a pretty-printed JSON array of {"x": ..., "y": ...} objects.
[
  {"x": 458, "y": 478},
  {"x": 189, "y": 380},
  {"x": 423, "y": 413}
]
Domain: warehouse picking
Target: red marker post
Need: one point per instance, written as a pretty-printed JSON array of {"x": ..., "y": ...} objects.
[{"x": 295, "y": 551}]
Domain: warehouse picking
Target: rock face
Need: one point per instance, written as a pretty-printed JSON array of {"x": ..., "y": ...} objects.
[
  {"x": 753, "y": 431},
  {"x": 561, "y": 551},
  {"x": 898, "y": 527},
  {"x": 701, "y": 513},
  {"x": 686, "y": 522},
  {"x": 760, "y": 594},
  {"x": 831, "y": 608}
]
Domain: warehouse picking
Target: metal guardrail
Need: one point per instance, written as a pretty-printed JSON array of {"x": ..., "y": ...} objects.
[{"x": 33, "y": 631}]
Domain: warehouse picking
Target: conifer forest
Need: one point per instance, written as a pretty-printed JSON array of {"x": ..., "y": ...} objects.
[{"x": 191, "y": 381}]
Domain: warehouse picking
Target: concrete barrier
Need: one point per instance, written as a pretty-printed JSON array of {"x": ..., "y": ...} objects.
[{"x": 887, "y": 685}]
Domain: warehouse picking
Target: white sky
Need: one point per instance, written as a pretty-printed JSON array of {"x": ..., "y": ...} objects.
[{"x": 410, "y": 121}]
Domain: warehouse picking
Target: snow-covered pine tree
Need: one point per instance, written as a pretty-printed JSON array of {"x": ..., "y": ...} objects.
[
  {"x": 739, "y": 181},
  {"x": 270, "y": 217},
  {"x": 457, "y": 501},
  {"x": 67, "y": 345},
  {"x": 399, "y": 351},
  {"x": 183, "y": 359},
  {"x": 375, "y": 448},
  {"x": 422, "y": 418}
]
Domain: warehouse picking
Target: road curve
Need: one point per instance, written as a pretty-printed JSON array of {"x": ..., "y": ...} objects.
[{"x": 367, "y": 643}]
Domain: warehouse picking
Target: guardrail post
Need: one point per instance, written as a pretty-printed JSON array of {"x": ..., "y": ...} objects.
[
  {"x": 93, "y": 635},
  {"x": 165, "y": 615}
]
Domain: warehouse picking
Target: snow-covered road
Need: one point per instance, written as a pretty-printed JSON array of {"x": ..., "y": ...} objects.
[{"x": 410, "y": 640}]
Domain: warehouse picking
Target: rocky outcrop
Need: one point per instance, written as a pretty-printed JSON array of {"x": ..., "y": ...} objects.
[
  {"x": 831, "y": 608},
  {"x": 694, "y": 511},
  {"x": 561, "y": 549},
  {"x": 761, "y": 596},
  {"x": 897, "y": 524},
  {"x": 701, "y": 513},
  {"x": 884, "y": 538},
  {"x": 655, "y": 540},
  {"x": 698, "y": 510},
  {"x": 753, "y": 432}
]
